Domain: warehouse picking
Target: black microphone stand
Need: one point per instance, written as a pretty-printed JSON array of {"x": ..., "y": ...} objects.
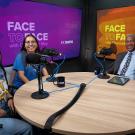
[
  {"x": 40, "y": 94},
  {"x": 102, "y": 74}
]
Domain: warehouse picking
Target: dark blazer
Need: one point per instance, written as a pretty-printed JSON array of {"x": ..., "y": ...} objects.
[{"x": 114, "y": 69}]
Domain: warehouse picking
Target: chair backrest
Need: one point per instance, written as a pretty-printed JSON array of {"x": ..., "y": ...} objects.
[
  {"x": 13, "y": 72},
  {"x": 11, "y": 76}
]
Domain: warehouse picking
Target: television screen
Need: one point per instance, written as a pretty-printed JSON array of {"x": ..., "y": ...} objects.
[
  {"x": 112, "y": 27},
  {"x": 54, "y": 26}
]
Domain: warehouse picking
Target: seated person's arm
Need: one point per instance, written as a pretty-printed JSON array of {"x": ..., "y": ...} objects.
[
  {"x": 6, "y": 102},
  {"x": 10, "y": 102},
  {"x": 23, "y": 77},
  {"x": 2, "y": 112},
  {"x": 19, "y": 67},
  {"x": 44, "y": 72},
  {"x": 9, "y": 99}
]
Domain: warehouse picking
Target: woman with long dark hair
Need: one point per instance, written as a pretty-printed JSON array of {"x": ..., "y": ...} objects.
[{"x": 25, "y": 72}]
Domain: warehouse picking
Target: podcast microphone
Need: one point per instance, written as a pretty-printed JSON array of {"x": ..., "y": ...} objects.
[
  {"x": 36, "y": 59},
  {"x": 50, "y": 52},
  {"x": 33, "y": 58},
  {"x": 108, "y": 51},
  {"x": 105, "y": 51}
]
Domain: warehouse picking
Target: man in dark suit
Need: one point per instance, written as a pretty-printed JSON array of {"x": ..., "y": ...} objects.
[{"x": 124, "y": 64}]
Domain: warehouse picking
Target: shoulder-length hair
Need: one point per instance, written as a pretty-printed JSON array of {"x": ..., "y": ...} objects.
[{"x": 24, "y": 40}]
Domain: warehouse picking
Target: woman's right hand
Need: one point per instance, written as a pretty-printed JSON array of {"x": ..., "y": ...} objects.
[{"x": 2, "y": 112}]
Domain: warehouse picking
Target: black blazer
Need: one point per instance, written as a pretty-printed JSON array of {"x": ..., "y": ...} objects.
[{"x": 114, "y": 69}]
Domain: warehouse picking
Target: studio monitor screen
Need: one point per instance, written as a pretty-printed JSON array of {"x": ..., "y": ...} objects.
[
  {"x": 54, "y": 26},
  {"x": 112, "y": 27}
]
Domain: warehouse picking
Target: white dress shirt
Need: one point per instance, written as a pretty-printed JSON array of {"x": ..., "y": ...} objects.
[{"x": 130, "y": 73}]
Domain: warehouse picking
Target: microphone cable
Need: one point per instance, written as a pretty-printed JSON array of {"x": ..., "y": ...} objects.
[
  {"x": 59, "y": 65},
  {"x": 50, "y": 120},
  {"x": 56, "y": 70},
  {"x": 49, "y": 123},
  {"x": 73, "y": 85}
]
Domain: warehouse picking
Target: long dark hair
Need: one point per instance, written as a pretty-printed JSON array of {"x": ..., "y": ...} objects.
[{"x": 24, "y": 40}]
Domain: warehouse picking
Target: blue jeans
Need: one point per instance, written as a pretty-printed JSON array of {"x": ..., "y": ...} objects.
[{"x": 12, "y": 126}]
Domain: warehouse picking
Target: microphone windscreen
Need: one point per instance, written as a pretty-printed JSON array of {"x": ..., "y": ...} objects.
[
  {"x": 33, "y": 58},
  {"x": 106, "y": 51},
  {"x": 50, "y": 52}
]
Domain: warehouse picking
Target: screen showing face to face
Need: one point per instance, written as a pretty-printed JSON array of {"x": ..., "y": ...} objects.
[
  {"x": 112, "y": 27},
  {"x": 54, "y": 26}
]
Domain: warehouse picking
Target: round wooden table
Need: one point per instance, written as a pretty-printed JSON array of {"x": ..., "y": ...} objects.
[{"x": 103, "y": 108}]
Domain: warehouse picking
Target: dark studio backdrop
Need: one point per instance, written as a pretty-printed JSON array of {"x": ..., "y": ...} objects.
[
  {"x": 85, "y": 61},
  {"x": 89, "y": 41},
  {"x": 89, "y": 8},
  {"x": 73, "y": 64}
]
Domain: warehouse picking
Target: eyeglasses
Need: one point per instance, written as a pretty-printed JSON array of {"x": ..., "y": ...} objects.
[{"x": 28, "y": 42}]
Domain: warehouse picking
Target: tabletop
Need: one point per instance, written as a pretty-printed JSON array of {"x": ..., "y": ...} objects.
[{"x": 103, "y": 108}]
